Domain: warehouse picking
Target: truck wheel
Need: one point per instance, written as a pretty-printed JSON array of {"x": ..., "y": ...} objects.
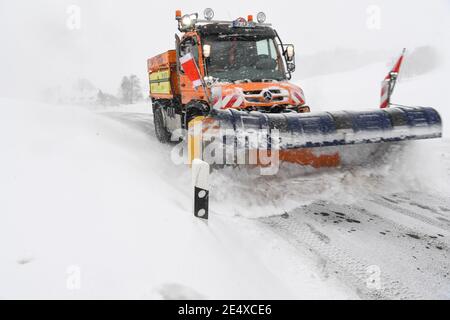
[
  {"x": 194, "y": 109},
  {"x": 161, "y": 131}
]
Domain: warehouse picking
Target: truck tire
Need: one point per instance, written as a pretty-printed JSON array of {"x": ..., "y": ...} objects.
[
  {"x": 161, "y": 131},
  {"x": 193, "y": 110}
]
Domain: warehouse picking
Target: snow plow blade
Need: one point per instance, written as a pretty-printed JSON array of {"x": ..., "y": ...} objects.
[{"x": 297, "y": 136}]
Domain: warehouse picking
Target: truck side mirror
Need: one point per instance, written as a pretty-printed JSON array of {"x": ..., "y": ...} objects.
[
  {"x": 206, "y": 50},
  {"x": 290, "y": 52}
]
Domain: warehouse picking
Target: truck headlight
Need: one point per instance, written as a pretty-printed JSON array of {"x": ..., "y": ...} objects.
[{"x": 188, "y": 21}]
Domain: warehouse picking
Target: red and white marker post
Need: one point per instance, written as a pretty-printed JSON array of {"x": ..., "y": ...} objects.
[{"x": 388, "y": 84}]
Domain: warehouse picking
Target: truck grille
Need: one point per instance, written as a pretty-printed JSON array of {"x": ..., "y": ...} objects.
[
  {"x": 275, "y": 99},
  {"x": 261, "y": 96}
]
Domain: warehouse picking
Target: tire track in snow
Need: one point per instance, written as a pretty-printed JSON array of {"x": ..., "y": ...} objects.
[
  {"x": 349, "y": 239},
  {"x": 394, "y": 205},
  {"x": 350, "y": 269}
]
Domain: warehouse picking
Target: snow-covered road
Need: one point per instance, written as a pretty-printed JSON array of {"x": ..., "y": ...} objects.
[
  {"x": 92, "y": 197},
  {"x": 400, "y": 240},
  {"x": 381, "y": 230},
  {"x": 92, "y": 207}
]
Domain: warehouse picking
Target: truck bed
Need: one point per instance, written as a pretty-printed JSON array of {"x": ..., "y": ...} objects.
[{"x": 163, "y": 80}]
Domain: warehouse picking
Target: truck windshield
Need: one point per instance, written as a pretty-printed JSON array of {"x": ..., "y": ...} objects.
[{"x": 251, "y": 58}]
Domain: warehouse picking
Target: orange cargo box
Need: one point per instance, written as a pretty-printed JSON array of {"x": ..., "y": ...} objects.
[{"x": 162, "y": 61}]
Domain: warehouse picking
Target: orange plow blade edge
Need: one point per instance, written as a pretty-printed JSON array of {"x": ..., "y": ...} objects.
[{"x": 306, "y": 157}]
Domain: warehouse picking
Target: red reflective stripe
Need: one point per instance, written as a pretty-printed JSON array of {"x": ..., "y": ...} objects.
[
  {"x": 231, "y": 102},
  {"x": 398, "y": 65},
  {"x": 396, "y": 68},
  {"x": 384, "y": 94},
  {"x": 385, "y": 86},
  {"x": 299, "y": 97}
]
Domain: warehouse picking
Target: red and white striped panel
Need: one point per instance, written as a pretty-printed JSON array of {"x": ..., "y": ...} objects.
[
  {"x": 298, "y": 97},
  {"x": 384, "y": 103},
  {"x": 231, "y": 100},
  {"x": 385, "y": 85}
]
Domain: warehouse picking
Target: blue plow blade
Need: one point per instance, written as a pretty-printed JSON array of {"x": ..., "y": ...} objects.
[{"x": 309, "y": 130}]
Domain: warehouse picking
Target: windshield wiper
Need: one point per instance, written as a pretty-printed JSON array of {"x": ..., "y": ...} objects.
[
  {"x": 264, "y": 80},
  {"x": 269, "y": 80},
  {"x": 243, "y": 81}
]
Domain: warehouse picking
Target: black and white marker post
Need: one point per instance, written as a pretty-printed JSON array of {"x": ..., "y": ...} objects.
[{"x": 200, "y": 177}]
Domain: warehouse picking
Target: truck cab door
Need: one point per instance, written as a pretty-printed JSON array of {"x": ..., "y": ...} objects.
[{"x": 188, "y": 93}]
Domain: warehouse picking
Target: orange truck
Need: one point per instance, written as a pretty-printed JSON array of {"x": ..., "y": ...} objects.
[{"x": 237, "y": 74}]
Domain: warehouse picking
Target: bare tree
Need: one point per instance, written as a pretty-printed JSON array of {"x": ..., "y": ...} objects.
[{"x": 130, "y": 89}]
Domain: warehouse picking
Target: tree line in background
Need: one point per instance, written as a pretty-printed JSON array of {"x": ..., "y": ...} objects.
[
  {"x": 84, "y": 92},
  {"x": 130, "y": 91}
]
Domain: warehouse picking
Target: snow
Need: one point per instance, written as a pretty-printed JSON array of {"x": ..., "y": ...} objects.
[
  {"x": 86, "y": 194},
  {"x": 413, "y": 165},
  {"x": 93, "y": 207},
  {"x": 93, "y": 193}
]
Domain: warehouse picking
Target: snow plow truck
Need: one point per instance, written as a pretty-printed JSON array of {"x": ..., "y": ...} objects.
[{"x": 228, "y": 82}]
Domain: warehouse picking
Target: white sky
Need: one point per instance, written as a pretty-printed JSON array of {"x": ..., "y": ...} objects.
[{"x": 117, "y": 36}]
